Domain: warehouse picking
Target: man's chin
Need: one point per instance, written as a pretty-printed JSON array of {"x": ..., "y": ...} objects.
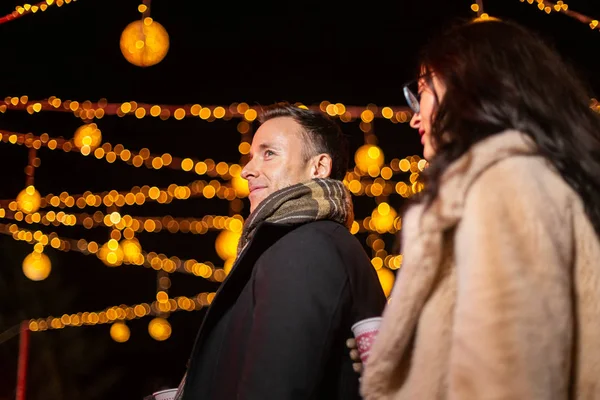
[{"x": 255, "y": 200}]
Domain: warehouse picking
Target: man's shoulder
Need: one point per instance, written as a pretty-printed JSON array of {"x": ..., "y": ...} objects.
[
  {"x": 319, "y": 238},
  {"x": 321, "y": 231},
  {"x": 320, "y": 247}
]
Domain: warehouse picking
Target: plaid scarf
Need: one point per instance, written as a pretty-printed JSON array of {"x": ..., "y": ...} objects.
[{"x": 317, "y": 199}]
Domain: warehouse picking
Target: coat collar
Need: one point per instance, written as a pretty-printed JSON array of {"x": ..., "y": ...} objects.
[
  {"x": 422, "y": 239},
  {"x": 460, "y": 175}
]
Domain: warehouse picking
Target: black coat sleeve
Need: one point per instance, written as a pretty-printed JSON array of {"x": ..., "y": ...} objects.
[{"x": 299, "y": 292}]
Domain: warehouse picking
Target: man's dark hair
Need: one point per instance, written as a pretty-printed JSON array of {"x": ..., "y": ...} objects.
[{"x": 323, "y": 135}]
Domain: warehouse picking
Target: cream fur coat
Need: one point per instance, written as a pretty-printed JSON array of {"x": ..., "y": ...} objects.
[{"x": 499, "y": 293}]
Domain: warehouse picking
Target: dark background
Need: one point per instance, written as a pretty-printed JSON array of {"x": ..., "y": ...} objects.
[{"x": 219, "y": 54}]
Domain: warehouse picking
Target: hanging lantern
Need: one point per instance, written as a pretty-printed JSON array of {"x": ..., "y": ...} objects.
[
  {"x": 132, "y": 251},
  {"x": 383, "y": 218},
  {"x": 111, "y": 253},
  {"x": 144, "y": 43},
  {"x": 36, "y": 266},
  {"x": 87, "y": 137},
  {"x": 159, "y": 329},
  {"x": 226, "y": 244},
  {"x": 120, "y": 332},
  {"x": 240, "y": 185},
  {"x": 29, "y": 200},
  {"x": 369, "y": 159}
]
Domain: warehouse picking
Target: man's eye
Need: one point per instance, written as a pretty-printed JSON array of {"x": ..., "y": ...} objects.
[{"x": 269, "y": 153}]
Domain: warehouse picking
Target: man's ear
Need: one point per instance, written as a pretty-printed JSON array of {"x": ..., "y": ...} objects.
[{"x": 321, "y": 166}]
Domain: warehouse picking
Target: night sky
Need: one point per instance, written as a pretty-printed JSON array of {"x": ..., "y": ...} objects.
[{"x": 219, "y": 54}]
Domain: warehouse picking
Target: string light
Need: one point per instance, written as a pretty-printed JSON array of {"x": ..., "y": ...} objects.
[
  {"x": 114, "y": 253},
  {"x": 128, "y": 224},
  {"x": 374, "y": 180},
  {"x": 111, "y": 153},
  {"x": 382, "y": 261},
  {"x": 561, "y": 7},
  {"x": 122, "y": 313},
  {"x": 152, "y": 260},
  {"x": 88, "y": 110},
  {"x": 200, "y": 188},
  {"x": 375, "y": 223},
  {"x": 139, "y": 195},
  {"x": 355, "y": 183},
  {"x": 26, "y": 9},
  {"x": 370, "y": 177},
  {"x": 375, "y": 188}
]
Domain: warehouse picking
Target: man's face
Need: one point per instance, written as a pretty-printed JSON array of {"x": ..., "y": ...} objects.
[{"x": 277, "y": 159}]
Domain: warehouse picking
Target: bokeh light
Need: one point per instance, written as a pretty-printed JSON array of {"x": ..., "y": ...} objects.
[
  {"x": 29, "y": 200},
  {"x": 159, "y": 329},
  {"x": 87, "y": 137},
  {"x": 383, "y": 218},
  {"x": 120, "y": 332},
  {"x": 369, "y": 158},
  {"x": 36, "y": 266},
  {"x": 144, "y": 43},
  {"x": 226, "y": 244},
  {"x": 386, "y": 279}
]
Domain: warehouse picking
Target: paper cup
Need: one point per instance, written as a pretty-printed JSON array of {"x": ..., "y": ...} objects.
[
  {"x": 364, "y": 332},
  {"x": 168, "y": 394}
]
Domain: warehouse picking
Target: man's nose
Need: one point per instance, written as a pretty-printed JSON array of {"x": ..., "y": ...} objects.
[{"x": 249, "y": 170}]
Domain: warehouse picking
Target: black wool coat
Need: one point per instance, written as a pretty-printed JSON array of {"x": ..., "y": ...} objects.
[{"x": 278, "y": 325}]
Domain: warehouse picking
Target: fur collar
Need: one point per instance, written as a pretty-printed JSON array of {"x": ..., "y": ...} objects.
[{"x": 422, "y": 238}]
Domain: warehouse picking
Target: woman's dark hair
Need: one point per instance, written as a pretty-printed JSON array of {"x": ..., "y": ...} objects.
[{"x": 500, "y": 76}]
